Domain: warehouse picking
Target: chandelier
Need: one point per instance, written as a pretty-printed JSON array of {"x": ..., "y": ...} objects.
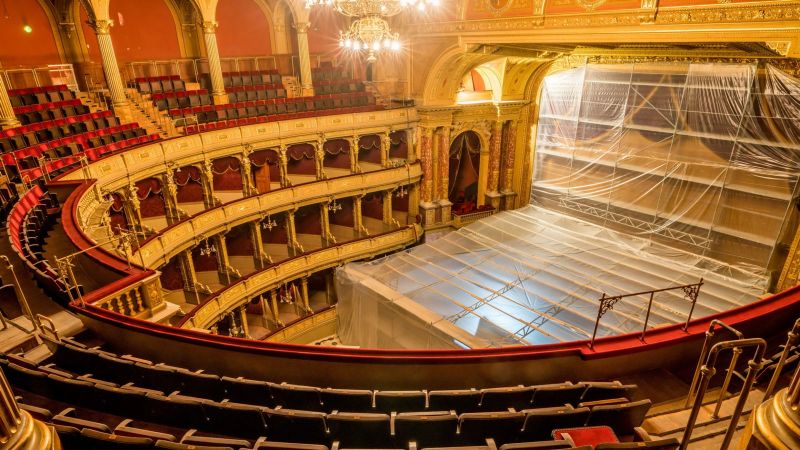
[{"x": 369, "y": 31}]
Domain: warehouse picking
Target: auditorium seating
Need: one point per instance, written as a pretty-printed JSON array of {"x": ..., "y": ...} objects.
[
  {"x": 122, "y": 395},
  {"x": 154, "y": 85},
  {"x": 41, "y": 112},
  {"x": 39, "y": 95}
]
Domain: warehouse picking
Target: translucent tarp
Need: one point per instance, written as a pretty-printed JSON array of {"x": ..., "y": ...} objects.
[
  {"x": 528, "y": 276},
  {"x": 703, "y": 157}
]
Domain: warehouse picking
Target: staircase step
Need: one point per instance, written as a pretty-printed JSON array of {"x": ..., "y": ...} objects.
[{"x": 668, "y": 424}]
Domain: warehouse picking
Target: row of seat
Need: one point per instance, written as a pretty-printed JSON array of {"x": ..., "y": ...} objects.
[
  {"x": 71, "y": 356},
  {"x": 222, "y": 124},
  {"x": 255, "y": 92},
  {"x": 337, "y": 86},
  {"x": 72, "y": 145},
  {"x": 28, "y": 223},
  {"x": 273, "y": 107},
  {"x": 38, "y": 95},
  {"x": 329, "y": 73},
  {"x": 360, "y": 430},
  {"x": 151, "y": 85},
  {"x": 244, "y": 78}
]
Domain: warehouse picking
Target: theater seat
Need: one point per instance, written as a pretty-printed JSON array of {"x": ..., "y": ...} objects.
[
  {"x": 235, "y": 419},
  {"x": 349, "y": 400},
  {"x": 538, "y": 445},
  {"x": 425, "y": 428},
  {"x": 98, "y": 440},
  {"x": 604, "y": 390},
  {"x": 540, "y": 422},
  {"x": 242, "y": 390},
  {"x": 288, "y": 446},
  {"x": 557, "y": 395},
  {"x": 502, "y": 426},
  {"x": 178, "y": 446},
  {"x": 295, "y": 396},
  {"x": 500, "y": 399},
  {"x": 460, "y": 400},
  {"x": 399, "y": 401},
  {"x": 621, "y": 418},
  {"x": 296, "y": 426},
  {"x": 661, "y": 444},
  {"x": 360, "y": 430}
]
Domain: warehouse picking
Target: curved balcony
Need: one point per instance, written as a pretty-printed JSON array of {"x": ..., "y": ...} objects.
[{"x": 235, "y": 294}]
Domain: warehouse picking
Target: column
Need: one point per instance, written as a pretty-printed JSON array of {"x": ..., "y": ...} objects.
[
  {"x": 319, "y": 159},
  {"x": 223, "y": 261},
  {"x": 283, "y": 163},
  {"x": 133, "y": 208},
  {"x": 303, "y": 55},
  {"x": 326, "y": 224},
  {"x": 330, "y": 289},
  {"x": 7, "y": 117},
  {"x": 410, "y": 147},
  {"x": 444, "y": 174},
  {"x": 208, "y": 184},
  {"x": 386, "y": 144},
  {"x": 258, "y": 244},
  {"x": 243, "y": 317},
  {"x": 171, "y": 197},
  {"x": 214, "y": 66},
  {"x": 413, "y": 202},
  {"x": 509, "y": 154},
  {"x": 291, "y": 234},
  {"x": 358, "y": 219},
  {"x": 304, "y": 294},
  {"x": 18, "y": 429},
  {"x": 493, "y": 176},
  {"x": 102, "y": 28},
  {"x": 354, "y": 166},
  {"x": 247, "y": 182},
  {"x": 387, "y": 207},
  {"x": 425, "y": 152},
  {"x": 187, "y": 272},
  {"x": 264, "y": 308},
  {"x": 273, "y": 297}
]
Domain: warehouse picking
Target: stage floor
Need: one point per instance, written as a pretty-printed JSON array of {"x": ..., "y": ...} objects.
[{"x": 526, "y": 277}]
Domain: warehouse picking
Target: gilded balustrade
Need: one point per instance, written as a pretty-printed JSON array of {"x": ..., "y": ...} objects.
[
  {"x": 158, "y": 250},
  {"x": 236, "y": 294},
  {"x": 141, "y": 299}
]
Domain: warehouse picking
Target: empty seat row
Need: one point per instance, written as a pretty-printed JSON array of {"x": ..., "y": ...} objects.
[
  {"x": 245, "y": 78},
  {"x": 28, "y": 135},
  {"x": 329, "y": 74},
  {"x": 166, "y": 378},
  {"x": 359, "y": 430},
  {"x": 150, "y": 85},
  {"x": 263, "y": 92},
  {"x": 337, "y": 86},
  {"x": 38, "y": 95},
  {"x": 181, "y": 99},
  {"x": 50, "y": 111}
]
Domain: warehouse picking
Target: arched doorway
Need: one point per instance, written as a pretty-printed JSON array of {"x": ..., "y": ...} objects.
[{"x": 464, "y": 172}]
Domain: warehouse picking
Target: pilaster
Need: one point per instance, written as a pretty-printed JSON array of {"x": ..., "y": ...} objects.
[
  {"x": 7, "y": 117},
  {"x": 304, "y": 56},
  {"x": 119, "y": 101}
]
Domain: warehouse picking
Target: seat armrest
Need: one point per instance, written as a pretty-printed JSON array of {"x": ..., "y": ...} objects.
[{"x": 641, "y": 435}]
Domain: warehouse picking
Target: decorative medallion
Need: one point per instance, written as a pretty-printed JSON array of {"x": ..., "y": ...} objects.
[{"x": 590, "y": 5}]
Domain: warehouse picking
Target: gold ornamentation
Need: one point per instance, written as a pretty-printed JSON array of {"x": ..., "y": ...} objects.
[
  {"x": 103, "y": 26},
  {"x": 590, "y": 5}
]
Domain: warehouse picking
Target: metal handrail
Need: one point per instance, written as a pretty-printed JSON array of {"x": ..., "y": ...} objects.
[
  {"x": 690, "y": 292},
  {"x": 708, "y": 371},
  {"x": 791, "y": 340},
  {"x": 51, "y": 326},
  {"x": 704, "y": 353}
]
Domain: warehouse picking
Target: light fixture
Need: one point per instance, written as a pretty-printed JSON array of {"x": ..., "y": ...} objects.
[
  {"x": 370, "y": 31},
  {"x": 401, "y": 192},
  {"x": 334, "y": 206},
  {"x": 208, "y": 250},
  {"x": 268, "y": 223},
  {"x": 27, "y": 28},
  {"x": 286, "y": 294}
]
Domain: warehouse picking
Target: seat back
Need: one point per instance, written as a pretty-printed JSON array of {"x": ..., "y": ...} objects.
[
  {"x": 621, "y": 418},
  {"x": 500, "y": 399},
  {"x": 348, "y": 400},
  {"x": 296, "y": 426},
  {"x": 426, "y": 428},
  {"x": 360, "y": 430},
  {"x": 557, "y": 395},
  {"x": 460, "y": 401},
  {"x": 399, "y": 401},
  {"x": 539, "y": 423},
  {"x": 660, "y": 444},
  {"x": 503, "y": 427}
]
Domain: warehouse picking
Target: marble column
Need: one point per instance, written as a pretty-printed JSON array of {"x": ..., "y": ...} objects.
[
  {"x": 7, "y": 117},
  {"x": 444, "y": 174},
  {"x": 214, "y": 65},
  {"x": 119, "y": 101},
  {"x": 493, "y": 196},
  {"x": 304, "y": 56},
  {"x": 509, "y": 154},
  {"x": 425, "y": 152}
]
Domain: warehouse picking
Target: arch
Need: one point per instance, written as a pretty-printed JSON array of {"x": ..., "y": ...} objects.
[
  {"x": 440, "y": 85},
  {"x": 245, "y": 28},
  {"x": 37, "y": 48},
  {"x": 282, "y": 21}
]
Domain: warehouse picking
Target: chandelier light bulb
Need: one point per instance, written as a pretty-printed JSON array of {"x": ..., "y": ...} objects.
[
  {"x": 357, "y": 45},
  {"x": 387, "y": 43},
  {"x": 421, "y": 6},
  {"x": 395, "y": 45},
  {"x": 348, "y": 43},
  {"x": 376, "y": 45}
]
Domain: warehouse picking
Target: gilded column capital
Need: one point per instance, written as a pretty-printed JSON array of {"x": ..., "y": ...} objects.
[
  {"x": 302, "y": 27},
  {"x": 102, "y": 26},
  {"x": 210, "y": 26}
]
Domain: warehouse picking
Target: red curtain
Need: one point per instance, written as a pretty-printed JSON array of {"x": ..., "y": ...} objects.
[
  {"x": 227, "y": 174},
  {"x": 369, "y": 149},
  {"x": 171, "y": 277},
  {"x": 151, "y": 202},
  {"x": 269, "y": 158},
  {"x": 399, "y": 145},
  {"x": 372, "y": 206},
  {"x": 190, "y": 187},
  {"x": 307, "y": 220},
  {"x": 344, "y": 216},
  {"x": 301, "y": 159},
  {"x": 337, "y": 154},
  {"x": 465, "y": 155}
]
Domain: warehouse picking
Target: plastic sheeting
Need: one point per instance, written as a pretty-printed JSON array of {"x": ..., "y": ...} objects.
[
  {"x": 703, "y": 157},
  {"x": 523, "y": 277}
]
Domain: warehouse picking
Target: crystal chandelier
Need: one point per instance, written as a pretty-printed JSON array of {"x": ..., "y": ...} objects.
[
  {"x": 369, "y": 31},
  {"x": 268, "y": 223}
]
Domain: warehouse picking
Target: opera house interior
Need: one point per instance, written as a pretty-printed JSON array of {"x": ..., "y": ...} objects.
[{"x": 399, "y": 224}]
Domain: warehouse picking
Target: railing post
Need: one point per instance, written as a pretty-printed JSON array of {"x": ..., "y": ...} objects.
[
  {"x": 724, "y": 389},
  {"x": 692, "y": 292},
  {"x": 647, "y": 317},
  {"x": 597, "y": 321},
  {"x": 791, "y": 340}
]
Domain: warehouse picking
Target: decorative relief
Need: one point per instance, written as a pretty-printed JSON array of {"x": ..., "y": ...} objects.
[
  {"x": 590, "y": 5},
  {"x": 730, "y": 13}
]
